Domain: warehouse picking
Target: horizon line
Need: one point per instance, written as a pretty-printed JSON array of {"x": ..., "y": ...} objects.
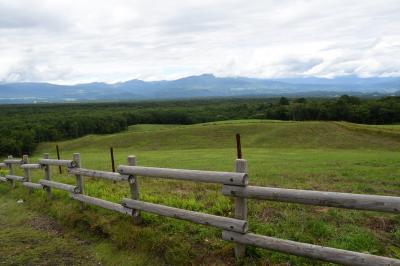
[{"x": 199, "y": 75}]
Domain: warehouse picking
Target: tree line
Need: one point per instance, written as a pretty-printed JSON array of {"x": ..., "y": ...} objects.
[{"x": 23, "y": 127}]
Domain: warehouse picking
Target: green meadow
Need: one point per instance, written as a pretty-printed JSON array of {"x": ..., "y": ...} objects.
[{"x": 330, "y": 156}]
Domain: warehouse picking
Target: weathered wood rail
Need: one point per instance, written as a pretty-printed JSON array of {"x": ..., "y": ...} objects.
[
  {"x": 239, "y": 179},
  {"x": 307, "y": 250},
  {"x": 225, "y": 223},
  {"x": 234, "y": 184},
  {"x": 98, "y": 174},
  {"x": 319, "y": 198}
]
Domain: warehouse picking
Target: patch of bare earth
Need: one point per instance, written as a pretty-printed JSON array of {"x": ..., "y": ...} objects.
[
  {"x": 270, "y": 214},
  {"x": 46, "y": 224},
  {"x": 382, "y": 224}
]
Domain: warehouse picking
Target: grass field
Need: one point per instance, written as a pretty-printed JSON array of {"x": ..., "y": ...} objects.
[{"x": 332, "y": 156}]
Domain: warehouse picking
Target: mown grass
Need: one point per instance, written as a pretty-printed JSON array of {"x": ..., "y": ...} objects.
[{"x": 306, "y": 155}]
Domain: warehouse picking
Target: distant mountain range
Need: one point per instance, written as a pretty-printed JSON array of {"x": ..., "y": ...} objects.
[{"x": 206, "y": 85}]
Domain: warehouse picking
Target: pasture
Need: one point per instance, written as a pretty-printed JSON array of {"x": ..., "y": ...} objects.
[{"x": 331, "y": 156}]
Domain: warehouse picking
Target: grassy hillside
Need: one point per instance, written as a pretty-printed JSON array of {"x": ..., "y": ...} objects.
[
  {"x": 308, "y": 155},
  {"x": 256, "y": 134}
]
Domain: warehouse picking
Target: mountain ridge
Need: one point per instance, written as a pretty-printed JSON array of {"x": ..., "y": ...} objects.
[{"x": 204, "y": 85}]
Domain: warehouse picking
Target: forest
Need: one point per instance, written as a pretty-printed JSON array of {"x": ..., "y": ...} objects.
[{"x": 23, "y": 127}]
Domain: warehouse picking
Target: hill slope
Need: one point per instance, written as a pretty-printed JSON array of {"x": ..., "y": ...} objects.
[
  {"x": 255, "y": 134},
  {"x": 307, "y": 155}
]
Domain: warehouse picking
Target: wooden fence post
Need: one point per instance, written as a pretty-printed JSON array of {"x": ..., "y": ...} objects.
[
  {"x": 47, "y": 174},
  {"x": 79, "y": 178},
  {"x": 58, "y": 158},
  {"x": 11, "y": 171},
  {"x": 112, "y": 159},
  {"x": 27, "y": 174},
  {"x": 133, "y": 183},
  {"x": 238, "y": 146},
  {"x": 240, "y": 207}
]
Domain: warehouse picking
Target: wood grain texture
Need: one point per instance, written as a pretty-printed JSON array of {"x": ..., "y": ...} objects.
[
  {"x": 15, "y": 177},
  {"x": 31, "y": 166},
  {"x": 47, "y": 174},
  {"x": 240, "y": 207},
  {"x": 102, "y": 203},
  {"x": 134, "y": 188},
  {"x": 67, "y": 163},
  {"x": 32, "y": 185},
  {"x": 79, "y": 178},
  {"x": 12, "y": 161},
  {"x": 62, "y": 186},
  {"x": 27, "y": 173},
  {"x": 98, "y": 174},
  {"x": 231, "y": 178},
  {"x": 311, "y": 251},
  {"x": 320, "y": 198},
  {"x": 225, "y": 223},
  {"x": 10, "y": 169}
]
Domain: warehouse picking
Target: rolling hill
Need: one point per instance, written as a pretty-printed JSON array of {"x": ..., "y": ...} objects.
[
  {"x": 329, "y": 156},
  {"x": 256, "y": 134}
]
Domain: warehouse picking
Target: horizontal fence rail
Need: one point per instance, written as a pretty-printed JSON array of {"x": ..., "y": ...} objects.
[
  {"x": 32, "y": 185},
  {"x": 102, "y": 203},
  {"x": 239, "y": 179},
  {"x": 234, "y": 184},
  {"x": 13, "y": 161},
  {"x": 196, "y": 217},
  {"x": 320, "y": 198},
  {"x": 67, "y": 163},
  {"x": 52, "y": 184},
  {"x": 312, "y": 251},
  {"x": 98, "y": 174},
  {"x": 31, "y": 166},
  {"x": 15, "y": 177}
]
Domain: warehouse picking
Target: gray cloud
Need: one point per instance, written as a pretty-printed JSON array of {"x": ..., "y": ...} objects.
[
  {"x": 23, "y": 14},
  {"x": 69, "y": 41}
]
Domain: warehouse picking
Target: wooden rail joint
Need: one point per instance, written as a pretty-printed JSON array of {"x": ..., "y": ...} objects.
[{"x": 131, "y": 179}]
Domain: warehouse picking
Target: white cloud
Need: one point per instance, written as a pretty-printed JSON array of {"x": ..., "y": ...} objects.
[{"x": 97, "y": 40}]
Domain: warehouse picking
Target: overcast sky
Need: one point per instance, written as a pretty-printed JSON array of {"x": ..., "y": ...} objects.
[{"x": 83, "y": 41}]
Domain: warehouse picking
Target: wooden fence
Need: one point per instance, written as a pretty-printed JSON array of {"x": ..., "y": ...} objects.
[{"x": 234, "y": 184}]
